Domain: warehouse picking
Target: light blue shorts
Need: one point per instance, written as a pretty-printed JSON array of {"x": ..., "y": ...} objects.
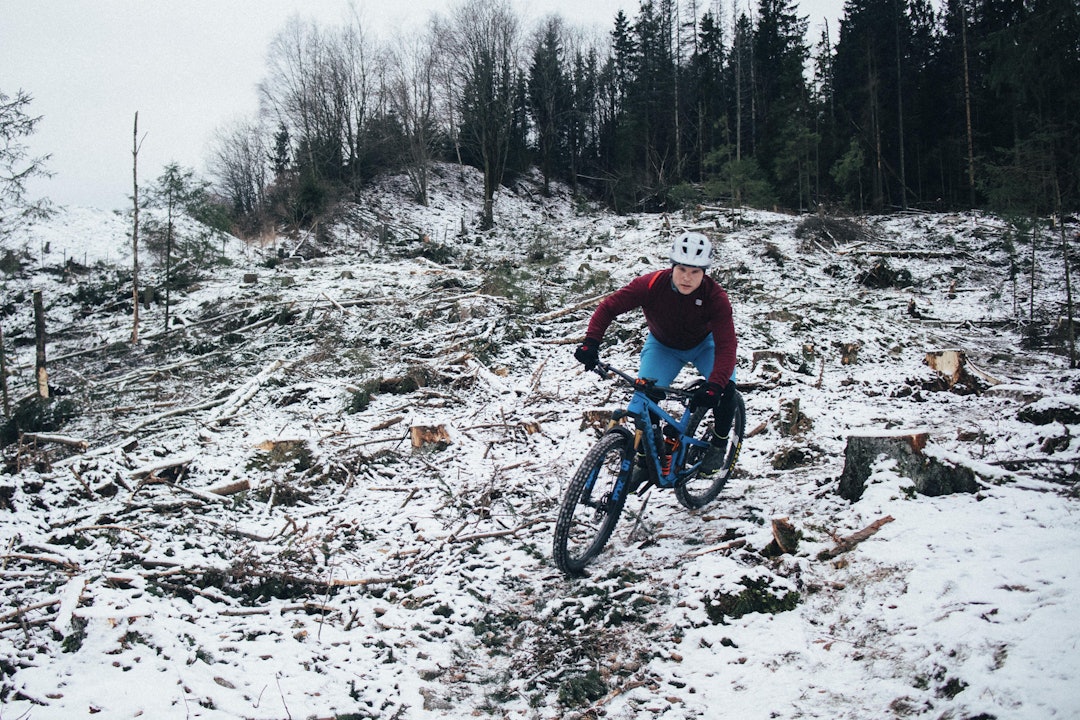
[{"x": 663, "y": 363}]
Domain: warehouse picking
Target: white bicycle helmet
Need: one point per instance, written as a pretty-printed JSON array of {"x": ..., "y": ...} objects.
[{"x": 693, "y": 249}]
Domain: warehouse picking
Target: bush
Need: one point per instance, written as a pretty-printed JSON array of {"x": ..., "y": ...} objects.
[{"x": 581, "y": 690}]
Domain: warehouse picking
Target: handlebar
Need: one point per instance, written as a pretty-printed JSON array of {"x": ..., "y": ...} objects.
[{"x": 603, "y": 369}]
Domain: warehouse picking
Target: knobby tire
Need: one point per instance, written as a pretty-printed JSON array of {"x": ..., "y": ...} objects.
[
  {"x": 588, "y": 515},
  {"x": 698, "y": 491}
]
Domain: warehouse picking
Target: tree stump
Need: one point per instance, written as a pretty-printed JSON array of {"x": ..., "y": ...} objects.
[
  {"x": 849, "y": 353},
  {"x": 958, "y": 371},
  {"x": 790, "y": 419},
  {"x": 596, "y": 419},
  {"x": 931, "y": 476},
  {"x": 429, "y": 435}
]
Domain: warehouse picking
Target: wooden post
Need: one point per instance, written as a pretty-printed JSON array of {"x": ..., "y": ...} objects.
[{"x": 39, "y": 334}]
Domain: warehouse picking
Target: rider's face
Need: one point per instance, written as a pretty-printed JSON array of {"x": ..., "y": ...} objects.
[{"x": 687, "y": 279}]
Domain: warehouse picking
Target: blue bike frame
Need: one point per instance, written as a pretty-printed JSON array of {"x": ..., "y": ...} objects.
[{"x": 643, "y": 409}]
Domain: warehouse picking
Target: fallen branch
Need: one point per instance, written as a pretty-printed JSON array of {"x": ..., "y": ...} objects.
[
  {"x": 566, "y": 311},
  {"x": 155, "y": 468},
  {"x": 364, "y": 582},
  {"x": 848, "y": 543},
  {"x": 243, "y": 394},
  {"x": 174, "y": 412},
  {"x": 66, "y": 564},
  {"x": 1035, "y": 461},
  {"x": 718, "y": 548},
  {"x": 26, "y": 624},
  {"x": 245, "y": 611},
  {"x": 336, "y": 304},
  {"x": 594, "y": 710},
  {"x": 77, "y": 443},
  {"x": 85, "y": 528},
  {"x": 494, "y": 533},
  {"x": 18, "y": 612}
]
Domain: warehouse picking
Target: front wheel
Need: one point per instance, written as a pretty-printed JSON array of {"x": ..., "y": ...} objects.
[
  {"x": 591, "y": 507},
  {"x": 699, "y": 490}
]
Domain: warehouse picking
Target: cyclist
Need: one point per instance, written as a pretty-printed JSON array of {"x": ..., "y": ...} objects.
[{"x": 690, "y": 321}]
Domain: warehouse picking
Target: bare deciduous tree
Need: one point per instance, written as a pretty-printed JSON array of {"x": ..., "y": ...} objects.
[
  {"x": 239, "y": 160},
  {"x": 412, "y": 90},
  {"x": 320, "y": 85},
  {"x": 481, "y": 44}
]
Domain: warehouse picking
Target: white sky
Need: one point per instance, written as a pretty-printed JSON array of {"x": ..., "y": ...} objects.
[{"x": 188, "y": 67}]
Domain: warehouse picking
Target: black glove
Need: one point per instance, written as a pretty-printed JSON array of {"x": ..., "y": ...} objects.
[
  {"x": 588, "y": 353},
  {"x": 707, "y": 396}
]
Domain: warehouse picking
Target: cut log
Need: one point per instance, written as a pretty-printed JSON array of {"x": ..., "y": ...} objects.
[
  {"x": 768, "y": 356},
  {"x": 230, "y": 488},
  {"x": 69, "y": 602},
  {"x": 931, "y": 476},
  {"x": 388, "y": 423},
  {"x": 531, "y": 427}
]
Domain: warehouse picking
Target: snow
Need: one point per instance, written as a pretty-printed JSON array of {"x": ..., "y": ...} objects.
[{"x": 360, "y": 577}]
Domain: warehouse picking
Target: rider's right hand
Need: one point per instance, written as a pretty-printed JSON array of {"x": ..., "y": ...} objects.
[{"x": 588, "y": 354}]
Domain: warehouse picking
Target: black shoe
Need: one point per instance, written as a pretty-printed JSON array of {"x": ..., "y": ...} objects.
[
  {"x": 638, "y": 479},
  {"x": 714, "y": 456}
]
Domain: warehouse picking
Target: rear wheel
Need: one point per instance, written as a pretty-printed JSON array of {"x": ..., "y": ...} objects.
[
  {"x": 590, "y": 507},
  {"x": 699, "y": 490}
]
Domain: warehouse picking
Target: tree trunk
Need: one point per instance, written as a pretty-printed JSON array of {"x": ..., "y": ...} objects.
[
  {"x": 168, "y": 262},
  {"x": 39, "y": 334},
  {"x": 967, "y": 108},
  {"x": 3, "y": 375},
  {"x": 135, "y": 232},
  {"x": 900, "y": 120},
  {"x": 1070, "y": 330},
  {"x": 1031, "y": 293}
]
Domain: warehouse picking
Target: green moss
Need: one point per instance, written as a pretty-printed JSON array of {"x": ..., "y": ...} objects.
[{"x": 757, "y": 596}]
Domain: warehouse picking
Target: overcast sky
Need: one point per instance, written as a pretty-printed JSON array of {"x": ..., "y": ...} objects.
[{"x": 189, "y": 67}]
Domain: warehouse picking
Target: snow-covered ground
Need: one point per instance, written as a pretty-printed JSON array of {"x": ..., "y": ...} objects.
[{"x": 249, "y": 532}]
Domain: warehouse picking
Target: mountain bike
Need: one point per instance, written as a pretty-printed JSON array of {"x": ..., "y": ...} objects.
[{"x": 660, "y": 450}]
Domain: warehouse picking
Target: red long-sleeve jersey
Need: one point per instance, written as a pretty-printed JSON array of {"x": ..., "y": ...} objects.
[{"x": 676, "y": 320}]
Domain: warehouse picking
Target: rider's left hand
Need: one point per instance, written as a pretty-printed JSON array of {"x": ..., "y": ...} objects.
[{"x": 707, "y": 396}]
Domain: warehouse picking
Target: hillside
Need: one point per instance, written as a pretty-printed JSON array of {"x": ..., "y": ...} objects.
[{"x": 250, "y": 533}]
